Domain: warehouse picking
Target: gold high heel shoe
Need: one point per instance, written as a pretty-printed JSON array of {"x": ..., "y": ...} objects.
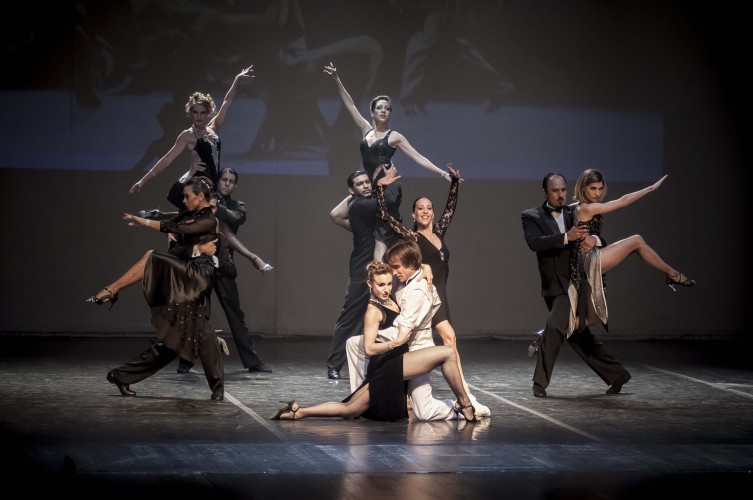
[
  {"x": 676, "y": 280},
  {"x": 287, "y": 409}
]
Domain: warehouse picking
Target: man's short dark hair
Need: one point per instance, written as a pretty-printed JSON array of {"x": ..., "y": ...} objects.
[
  {"x": 230, "y": 170},
  {"x": 549, "y": 177},
  {"x": 354, "y": 175}
]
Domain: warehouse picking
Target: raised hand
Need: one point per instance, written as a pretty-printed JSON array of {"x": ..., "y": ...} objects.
[
  {"x": 390, "y": 176},
  {"x": 331, "y": 70},
  {"x": 247, "y": 73},
  {"x": 658, "y": 183}
]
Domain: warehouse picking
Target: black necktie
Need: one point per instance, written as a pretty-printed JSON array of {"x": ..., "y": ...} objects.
[{"x": 549, "y": 209}]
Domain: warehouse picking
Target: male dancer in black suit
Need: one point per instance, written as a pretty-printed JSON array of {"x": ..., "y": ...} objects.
[
  {"x": 549, "y": 231},
  {"x": 233, "y": 213},
  {"x": 363, "y": 213}
]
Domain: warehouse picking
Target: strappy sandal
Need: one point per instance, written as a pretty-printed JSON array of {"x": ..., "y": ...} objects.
[{"x": 287, "y": 409}]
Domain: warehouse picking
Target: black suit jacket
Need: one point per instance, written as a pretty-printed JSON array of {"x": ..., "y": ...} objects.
[{"x": 543, "y": 237}]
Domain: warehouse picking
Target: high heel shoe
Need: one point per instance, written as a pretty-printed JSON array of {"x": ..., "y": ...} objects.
[
  {"x": 459, "y": 408},
  {"x": 287, "y": 409},
  {"x": 110, "y": 297},
  {"x": 676, "y": 280}
]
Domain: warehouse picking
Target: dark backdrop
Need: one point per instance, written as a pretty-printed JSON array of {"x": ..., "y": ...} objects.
[{"x": 509, "y": 91}]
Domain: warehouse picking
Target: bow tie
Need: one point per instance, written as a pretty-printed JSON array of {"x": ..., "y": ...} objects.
[{"x": 549, "y": 209}]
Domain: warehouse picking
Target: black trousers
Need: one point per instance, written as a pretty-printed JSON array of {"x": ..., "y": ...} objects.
[
  {"x": 584, "y": 343},
  {"x": 349, "y": 323},
  {"x": 226, "y": 290},
  {"x": 158, "y": 356}
]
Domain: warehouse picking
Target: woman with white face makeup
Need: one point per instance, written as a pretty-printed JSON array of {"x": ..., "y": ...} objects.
[
  {"x": 589, "y": 262},
  {"x": 378, "y": 145}
]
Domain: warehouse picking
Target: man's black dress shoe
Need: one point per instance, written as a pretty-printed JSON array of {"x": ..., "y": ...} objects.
[
  {"x": 261, "y": 367},
  {"x": 617, "y": 386},
  {"x": 123, "y": 388},
  {"x": 539, "y": 391},
  {"x": 184, "y": 368},
  {"x": 218, "y": 395},
  {"x": 333, "y": 374}
]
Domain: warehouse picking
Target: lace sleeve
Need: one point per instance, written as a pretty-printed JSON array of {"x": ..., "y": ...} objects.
[
  {"x": 440, "y": 227},
  {"x": 393, "y": 223},
  {"x": 198, "y": 226}
]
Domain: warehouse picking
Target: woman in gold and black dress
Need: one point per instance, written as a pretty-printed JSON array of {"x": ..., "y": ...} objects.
[{"x": 588, "y": 265}]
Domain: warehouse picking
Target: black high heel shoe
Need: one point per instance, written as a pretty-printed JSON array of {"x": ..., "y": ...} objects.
[
  {"x": 111, "y": 297},
  {"x": 672, "y": 281},
  {"x": 459, "y": 408},
  {"x": 287, "y": 409}
]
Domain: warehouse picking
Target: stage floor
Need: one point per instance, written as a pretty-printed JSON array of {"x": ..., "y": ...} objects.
[{"x": 683, "y": 426}]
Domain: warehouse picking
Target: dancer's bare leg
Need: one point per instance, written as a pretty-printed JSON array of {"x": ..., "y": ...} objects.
[
  {"x": 354, "y": 408},
  {"x": 612, "y": 255},
  {"x": 447, "y": 334},
  {"x": 133, "y": 275},
  {"x": 422, "y": 361}
]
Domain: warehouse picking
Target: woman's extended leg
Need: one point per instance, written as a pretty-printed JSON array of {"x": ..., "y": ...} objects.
[
  {"x": 447, "y": 334},
  {"x": 355, "y": 407},
  {"x": 133, "y": 275},
  {"x": 422, "y": 361},
  {"x": 612, "y": 255}
]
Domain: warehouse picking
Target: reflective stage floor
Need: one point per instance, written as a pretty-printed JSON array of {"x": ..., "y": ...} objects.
[{"x": 682, "y": 426}]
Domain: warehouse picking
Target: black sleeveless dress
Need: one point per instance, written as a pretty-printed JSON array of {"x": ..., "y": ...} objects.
[
  {"x": 208, "y": 149},
  {"x": 387, "y": 389},
  {"x": 380, "y": 152},
  {"x": 437, "y": 259}
]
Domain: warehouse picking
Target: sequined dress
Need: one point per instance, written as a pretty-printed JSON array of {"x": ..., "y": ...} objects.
[
  {"x": 178, "y": 291},
  {"x": 387, "y": 389},
  {"x": 587, "y": 293},
  {"x": 379, "y": 153},
  {"x": 208, "y": 148},
  {"x": 438, "y": 259}
]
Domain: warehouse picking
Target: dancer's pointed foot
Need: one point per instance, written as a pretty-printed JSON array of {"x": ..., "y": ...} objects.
[
  {"x": 679, "y": 279},
  {"x": 105, "y": 295},
  {"x": 288, "y": 412}
]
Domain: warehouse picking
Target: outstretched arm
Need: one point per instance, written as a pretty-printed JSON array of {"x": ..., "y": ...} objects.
[
  {"x": 398, "y": 140},
  {"x": 443, "y": 223},
  {"x": 227, "y": 102},
  {"x": 181, "y": 143},
  {"x": 237, "y": 245},
  {"x": 588, "y": 210},
  {"x": 361, "y": 122}
]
